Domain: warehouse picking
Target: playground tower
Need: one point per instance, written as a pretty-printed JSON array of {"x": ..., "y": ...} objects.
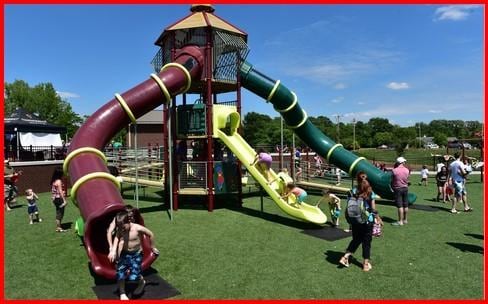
[{"x": 188, "y": 120}]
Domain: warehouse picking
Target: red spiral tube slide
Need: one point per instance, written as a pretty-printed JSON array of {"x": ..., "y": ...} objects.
[{"x": 94, "y": 190}]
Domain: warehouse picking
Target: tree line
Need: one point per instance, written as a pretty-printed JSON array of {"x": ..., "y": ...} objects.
[
  {"x": 43, "y": 100},
  {"x": 263, "y": 130},
  {"x": 258, "y": 129}
]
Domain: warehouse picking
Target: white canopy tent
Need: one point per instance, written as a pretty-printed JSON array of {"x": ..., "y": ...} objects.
[{"x": 40, "y": 139}]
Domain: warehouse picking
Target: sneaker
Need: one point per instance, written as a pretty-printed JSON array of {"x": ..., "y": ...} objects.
[
  {"x": 468, "y": 210},
  {"x": 31, "y": 223},
  {"x": 405, "y": 222},
  {"x": 397, "y": 224},
  {"x": 454, "y": 211},
  {"x": 140, "y": 287},
  {"x": 344, "y": 261},
  {"x": 124, "y": 297},
  {"x": 367, "y": 267}
]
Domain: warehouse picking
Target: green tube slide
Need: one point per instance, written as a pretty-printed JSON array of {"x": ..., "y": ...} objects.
[{"x": 286, "y": 103}]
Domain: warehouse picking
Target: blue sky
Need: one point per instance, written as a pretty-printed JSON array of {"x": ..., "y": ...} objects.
[{"x": 407, "y": 63}]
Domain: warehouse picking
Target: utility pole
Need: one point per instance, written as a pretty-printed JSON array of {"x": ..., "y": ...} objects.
[
  {"x": 338, "y": 117},
  {"x": 281, "y": 143},
  {"x": 420, "y": 137},
  {"x": 354, "y": 134}
]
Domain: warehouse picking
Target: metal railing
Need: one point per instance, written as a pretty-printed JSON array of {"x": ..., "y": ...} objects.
[{"x": 34, "y": 153}]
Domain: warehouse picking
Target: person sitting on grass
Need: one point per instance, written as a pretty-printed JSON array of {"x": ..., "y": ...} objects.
[
  {"x": 298, "y": 192},
  {"x": 334, "y": 205},
  {"x": 127, "y": 250}
]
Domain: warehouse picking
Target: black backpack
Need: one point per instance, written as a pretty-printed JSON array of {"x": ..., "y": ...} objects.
[{"x": 356, "y": 210}]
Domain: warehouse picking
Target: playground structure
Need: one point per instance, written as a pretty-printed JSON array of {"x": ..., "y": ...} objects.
[{"x": 202, "y": 58}]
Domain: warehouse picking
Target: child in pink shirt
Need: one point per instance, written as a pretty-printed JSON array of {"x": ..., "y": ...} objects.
[{"x": 298, "y": 192}]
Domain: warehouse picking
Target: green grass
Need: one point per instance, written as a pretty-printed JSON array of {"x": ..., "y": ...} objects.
[{"x": 245, "y": 254}]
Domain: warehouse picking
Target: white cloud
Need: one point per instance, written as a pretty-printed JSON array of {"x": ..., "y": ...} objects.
[
  {"x": 337, "y": 100},
  {"x": 337, "y": 68},
  {"x": 340, "y": 86},
  {"x": 398, "y": 85},
  {"x": 435, "y": 111},
  {"x": 67, "y": 95},
  {"x": 454, "y": 12}
]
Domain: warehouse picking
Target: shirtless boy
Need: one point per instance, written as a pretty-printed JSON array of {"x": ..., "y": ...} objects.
[{"x": 127, "y": 250}]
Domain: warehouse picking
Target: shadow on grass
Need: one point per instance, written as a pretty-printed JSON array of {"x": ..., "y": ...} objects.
[
  {"x": 476, "y": 236},
  {"x": 16, "y": 206},
  {"x": 333, "y": 257},
  {"x": 99, "y": 280},
  {"x": 429, "y": 208},
  {"x": 149, "y": 198},
  {"x": 388, "y": 220},
  {"x": 467, "y": 247},
  {"x": 445, "y": 208},
  {"x": 66, "y": 226},
  {"x": 275, "y": 218}
]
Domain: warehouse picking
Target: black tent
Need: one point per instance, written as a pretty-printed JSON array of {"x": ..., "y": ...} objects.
[{"x": 29, "y": 122}]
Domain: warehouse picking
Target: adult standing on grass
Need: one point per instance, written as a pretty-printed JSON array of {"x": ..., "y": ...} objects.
[
  {"x": 458, "y": 173},
  {"x": 58, "y": 197},
  {"x": 441, "y": 179},
  {"x": 400, "y": 184},
  {"x": 362, "y": 234}
]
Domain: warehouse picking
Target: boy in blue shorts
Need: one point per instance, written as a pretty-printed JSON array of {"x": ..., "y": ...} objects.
[{"x": 128, "y": 251}]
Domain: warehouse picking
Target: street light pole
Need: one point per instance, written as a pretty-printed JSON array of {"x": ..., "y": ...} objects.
[
  {"x": 281, "y": 151},
  {"x": 354, "y": 134},
  {"x": 337, "y": 116},
  {"x": 420, "y": 137}
]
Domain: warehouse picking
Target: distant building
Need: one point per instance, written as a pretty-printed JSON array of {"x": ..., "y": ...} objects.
[
  {"x": 426, "y": 140},
  {"x": 149, "y": 130}
]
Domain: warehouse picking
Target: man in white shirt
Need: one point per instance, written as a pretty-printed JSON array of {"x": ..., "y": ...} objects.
[{"x": 457, "y": 174}]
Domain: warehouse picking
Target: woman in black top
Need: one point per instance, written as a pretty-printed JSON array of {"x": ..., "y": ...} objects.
[{"x": 441, "y": 178}]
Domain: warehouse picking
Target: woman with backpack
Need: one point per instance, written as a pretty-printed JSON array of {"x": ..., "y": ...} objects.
[{"x": 362, "y": 200}]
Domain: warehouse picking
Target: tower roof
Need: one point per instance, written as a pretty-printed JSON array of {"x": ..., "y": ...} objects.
[{"x": 202, "y": 16}]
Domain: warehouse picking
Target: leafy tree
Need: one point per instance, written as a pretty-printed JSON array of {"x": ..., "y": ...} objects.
[
  {"x": 440, "y": 138},
  {"x": 275, "y": 133},
  {"x": 257, "y": 129},
  {"x": 402, "y": 137},
  {"x": 363, "y": 135},
  {"x": 323, "y": 123},
  {"x": 383, "y": 138},
  {"x": 378, "y": 124},
  {"x": 43, "y": 100}
]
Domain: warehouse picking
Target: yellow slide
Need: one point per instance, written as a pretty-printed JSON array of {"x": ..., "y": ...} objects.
[{"x": 225, "y": 123}]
